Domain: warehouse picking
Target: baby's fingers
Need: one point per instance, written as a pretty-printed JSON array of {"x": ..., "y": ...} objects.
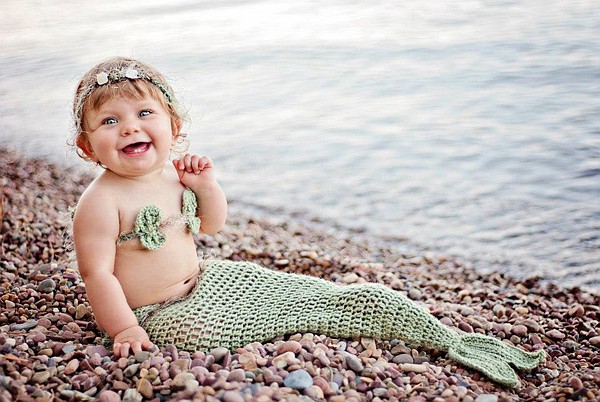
[
  {"x": 121, "y": 349},
  {"x": 195, "y": 164},
  {"x": 187, "y": 163},
  {"x": 199, "y": 163},
  {"x": 138, "y": 346},
  {"x": 204, "y": 163}
]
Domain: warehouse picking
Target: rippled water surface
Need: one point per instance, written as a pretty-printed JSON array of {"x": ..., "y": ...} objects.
[{"x": 470, "y": 128}]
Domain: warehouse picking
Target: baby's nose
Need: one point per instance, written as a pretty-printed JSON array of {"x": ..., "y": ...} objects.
[{"x": 130, "y": 127}]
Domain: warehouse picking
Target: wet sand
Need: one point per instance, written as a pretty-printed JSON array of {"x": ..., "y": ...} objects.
[{"x": 49, "y": 342}]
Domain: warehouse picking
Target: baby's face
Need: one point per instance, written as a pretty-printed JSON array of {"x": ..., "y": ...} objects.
[{"x": 130, "y": 137}]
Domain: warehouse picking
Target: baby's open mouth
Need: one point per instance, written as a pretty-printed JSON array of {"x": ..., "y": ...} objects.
[{"x": 136, "y": 148}]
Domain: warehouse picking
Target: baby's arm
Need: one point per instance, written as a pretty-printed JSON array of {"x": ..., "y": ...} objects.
[
  {"x": 197, "y": 173},
  {"x": 95, "y": 228}
]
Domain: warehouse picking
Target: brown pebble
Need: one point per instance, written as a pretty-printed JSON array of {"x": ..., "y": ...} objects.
[
  {"x": 414, "y": 368},
  {"x": 232, "y": 396},
  {"x": 248, "y": 361},
  {"x": 236, "y": 375},
  {"x": 576, "y": 311},
  {"x": 81, "y": 311},
  {"x": 595, "y": 341},
  {"x": 536, "y": 340},
  {"x": 144, "y": 387},
  {"x": 323, "y": 384},
  {"x": 219, "y": 354},
  {"x": 71, "y": 367},
  {"x": 350, "y": 278},
  {"x": 39, "y": 337},
  {"x": 555, "y": 334},
  {"x": 464, "y": 326},
  {"x": 289, "y": 346},
  {"x": 120, "y": 385},
  {"x": 519, "y": 330},
  {"x": 109, "y": 396},
  {"x": 314, "y": 392},
  {"x": 179, "y": 382},
  {"x": 499, "y": 310},
  {"x": 576, "y": 383},
  {"x": 284, "y": 360}
]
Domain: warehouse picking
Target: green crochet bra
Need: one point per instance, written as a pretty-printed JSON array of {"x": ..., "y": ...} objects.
[{"x": 149, "y": 225}]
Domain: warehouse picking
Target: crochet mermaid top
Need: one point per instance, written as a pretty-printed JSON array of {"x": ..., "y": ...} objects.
[{"x": 149, "y": 226}]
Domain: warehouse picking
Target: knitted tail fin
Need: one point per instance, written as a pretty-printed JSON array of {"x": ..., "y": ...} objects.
[{"x": 493, "y": 357}]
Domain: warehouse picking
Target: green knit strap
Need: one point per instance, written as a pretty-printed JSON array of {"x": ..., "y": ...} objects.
[
  {"x": 189, "y": 209},
  {"x": 493, "y": 357}
]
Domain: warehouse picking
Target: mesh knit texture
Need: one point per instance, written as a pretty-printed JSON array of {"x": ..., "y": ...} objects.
[{"x": 236, "y": 303}]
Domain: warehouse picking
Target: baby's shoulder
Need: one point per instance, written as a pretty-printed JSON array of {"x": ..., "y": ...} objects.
[
  {"x": 96, "y": 216},
  {"x": 98, "y": 199},
  {"x": 100, "y": 187}
]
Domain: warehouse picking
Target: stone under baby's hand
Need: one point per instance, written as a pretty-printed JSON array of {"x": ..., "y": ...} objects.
[
  {"x": 195, "y": 171},
  {"x": 135, "y": 339}
]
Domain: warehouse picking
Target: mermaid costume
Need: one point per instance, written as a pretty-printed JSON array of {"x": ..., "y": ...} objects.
[{"x": 236, "y": 303}]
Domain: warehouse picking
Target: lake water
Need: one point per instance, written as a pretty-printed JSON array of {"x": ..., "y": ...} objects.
[{"x": 469, "y": 128}]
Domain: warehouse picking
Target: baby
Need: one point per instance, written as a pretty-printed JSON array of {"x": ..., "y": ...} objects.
[
  {"x": 133, "y": 230},
  {"x": 127, "y": 121}
]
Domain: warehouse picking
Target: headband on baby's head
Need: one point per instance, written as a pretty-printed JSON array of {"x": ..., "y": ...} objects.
[
  {"x": 131, "y": 73},
  {"x": 113, "y": 76}
]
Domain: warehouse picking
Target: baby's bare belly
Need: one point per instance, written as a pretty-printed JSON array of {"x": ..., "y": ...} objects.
[{"x": 149, "y": 277}]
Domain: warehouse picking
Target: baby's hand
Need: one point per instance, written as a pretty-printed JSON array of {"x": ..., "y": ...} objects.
[
  {"x": 195, "y": 171},
  {"x": 134, "y": 338}
]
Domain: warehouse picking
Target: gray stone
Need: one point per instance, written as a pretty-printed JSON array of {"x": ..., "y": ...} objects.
[
  {"x": 403, "y": 358},
  {"x": 486, "y": 398},
  {"x": 131, "y": 370},
  {"x": 47, "y": 286},
  {"x": 354, "y": 362},
  {"x": 298, "y": 379},
  {"x": 142, "y": 356},
  {"x": 132, "y": 395},
  {"x": 24, "y": 326}
]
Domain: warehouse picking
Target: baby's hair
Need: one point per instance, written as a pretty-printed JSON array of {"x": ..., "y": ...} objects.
[{"x": 128, "y": 78}]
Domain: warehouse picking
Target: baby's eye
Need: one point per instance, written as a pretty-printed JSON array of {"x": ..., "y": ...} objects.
[
  {"x": 109, "y": 121},
  {"x": 145, "y": 113}
]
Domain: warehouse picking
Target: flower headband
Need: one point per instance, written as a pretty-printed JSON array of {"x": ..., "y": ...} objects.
[{"x": 114, "y": 76}]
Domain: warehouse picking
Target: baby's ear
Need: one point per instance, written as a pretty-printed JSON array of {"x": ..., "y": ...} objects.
[
  {"x": 175, "y": 129},
  {"x": 83, "y": 144}
]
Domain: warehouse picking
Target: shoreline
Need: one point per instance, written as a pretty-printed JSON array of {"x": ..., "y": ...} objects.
[{"x": 48, "y": 338}]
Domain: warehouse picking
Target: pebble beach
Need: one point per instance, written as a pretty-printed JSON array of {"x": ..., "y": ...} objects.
[{"x": 50, "y": 346}]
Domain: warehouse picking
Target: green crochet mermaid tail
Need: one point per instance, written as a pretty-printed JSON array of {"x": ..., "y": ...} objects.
[{"x": 235, "y": 303}]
